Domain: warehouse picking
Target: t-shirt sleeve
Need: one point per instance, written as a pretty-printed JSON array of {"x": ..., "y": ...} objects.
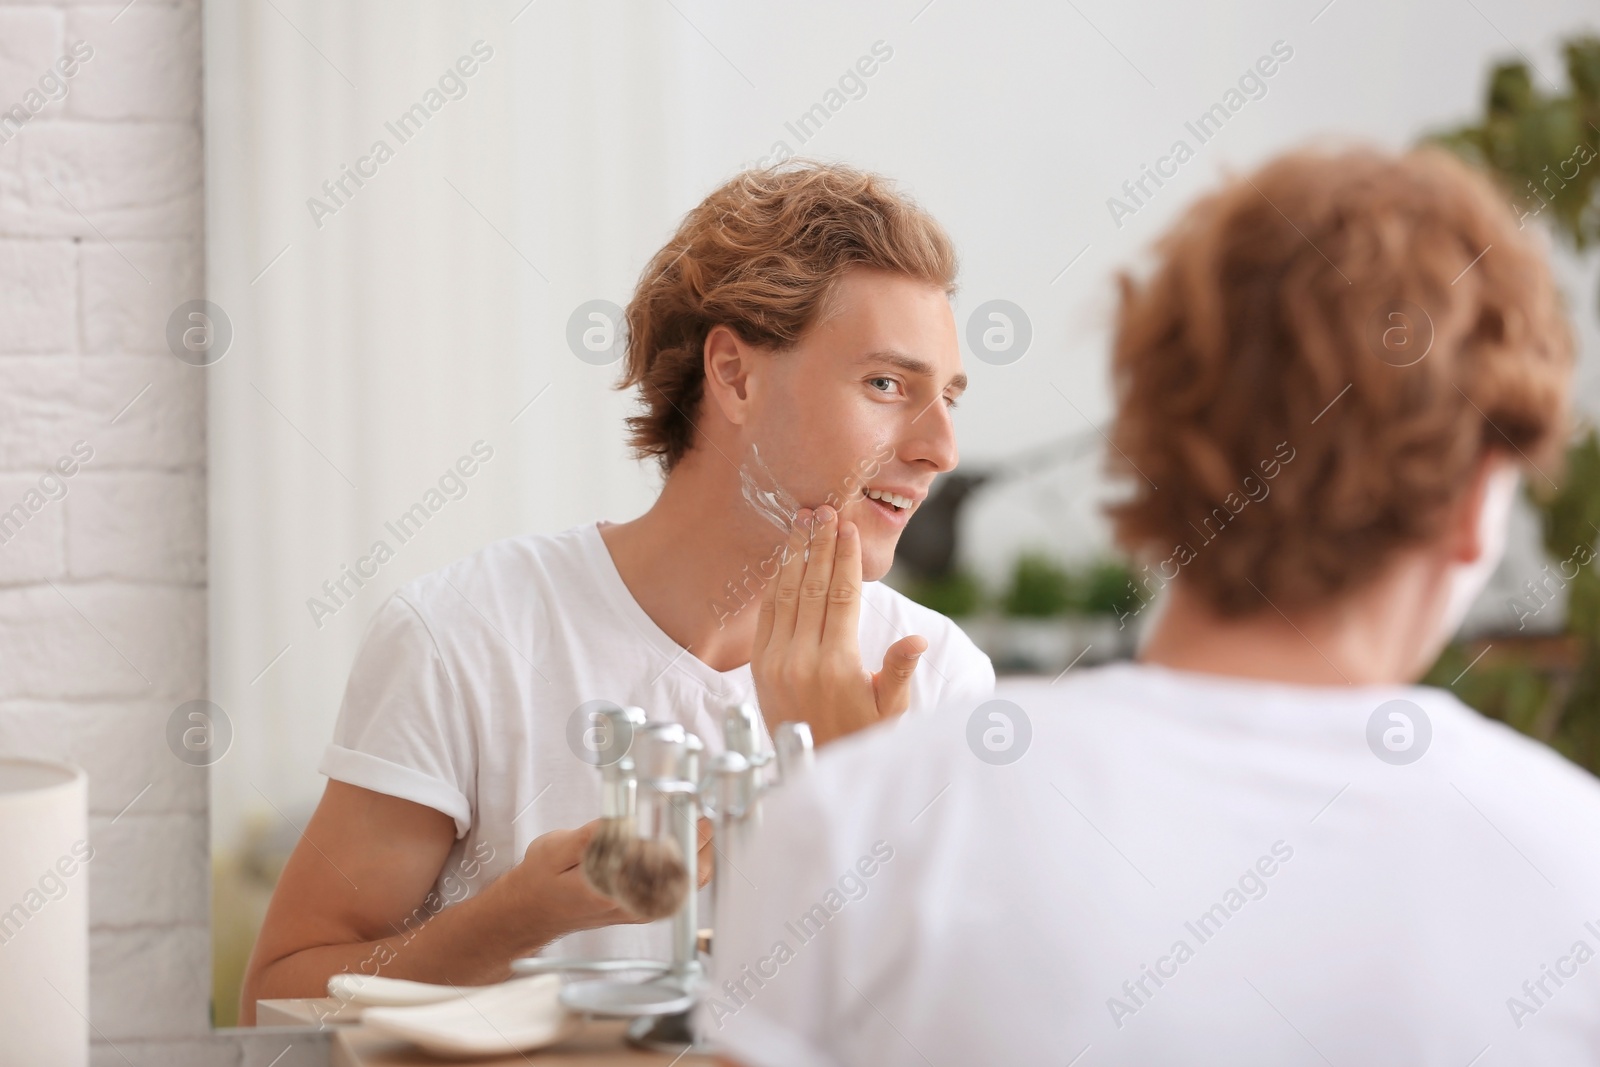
[{"x": 402, "y": 728}]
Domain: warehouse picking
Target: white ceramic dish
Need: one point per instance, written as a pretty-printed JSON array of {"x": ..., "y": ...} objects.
[
  {"x": 371, "y": 991},
  {"x": 515, "y": 1016}
]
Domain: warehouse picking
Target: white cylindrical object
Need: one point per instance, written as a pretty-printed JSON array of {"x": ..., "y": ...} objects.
[{"x": 44, "y": 914}]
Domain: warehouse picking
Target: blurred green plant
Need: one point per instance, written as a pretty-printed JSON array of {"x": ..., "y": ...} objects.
[
  {"x": 1107, "y": 589},
  {"x": 1543, "y": 146},
  {"x": 1509, "y": 688},
  {"x": 1039, "y": 588},
  {"x": 1570, "y": 517},
  {"x": 1545, "y": 150},
  {"x": 956, "y": 595}
]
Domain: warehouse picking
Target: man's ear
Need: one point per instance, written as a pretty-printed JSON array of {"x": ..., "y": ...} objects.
[
  {"x": 1466, "y": 534},
  {"x": 730, "y": 366}
]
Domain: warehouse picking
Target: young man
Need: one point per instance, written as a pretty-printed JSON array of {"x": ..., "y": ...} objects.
[
  {"x": 1261, "y": 842},
  {"x": 794, "y": 347}
]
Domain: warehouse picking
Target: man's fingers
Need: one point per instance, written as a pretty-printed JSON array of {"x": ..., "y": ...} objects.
[
  {"x": 814, "y": 587},
  {"x": 561, "y": 850},
  {"x": 785, "y": 589},
  {"x": 842, "y": 630},
  {"x": 892, "y": 684},
  {"x": 602, "y": 910},
  {"x": 766, "y": 613}
]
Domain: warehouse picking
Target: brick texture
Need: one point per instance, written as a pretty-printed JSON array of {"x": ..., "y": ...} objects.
[{"x": 103, "y": 572}]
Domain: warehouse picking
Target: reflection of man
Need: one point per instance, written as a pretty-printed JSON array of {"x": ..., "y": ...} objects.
[
  {"x": 1261, "y": 843},
  {"x": 797, "y": 360}
]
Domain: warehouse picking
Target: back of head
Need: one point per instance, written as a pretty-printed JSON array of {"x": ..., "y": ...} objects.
[{"x": 1318, "y": 362}]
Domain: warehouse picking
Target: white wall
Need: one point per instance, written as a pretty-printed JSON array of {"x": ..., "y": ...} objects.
[{"x": 102, "y": 594}]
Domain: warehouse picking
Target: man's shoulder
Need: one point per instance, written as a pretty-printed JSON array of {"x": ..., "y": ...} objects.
[
  {"x": 1523, "y": 779},
  {"x": 1519, "y": 765}
]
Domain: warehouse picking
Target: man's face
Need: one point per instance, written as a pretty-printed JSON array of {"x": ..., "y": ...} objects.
[{"x": 860, "y": 408}]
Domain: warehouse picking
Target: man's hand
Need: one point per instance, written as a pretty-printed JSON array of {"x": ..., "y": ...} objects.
[
  {"x": 807, "y": 654},
  {"x": 320, "y": 923},
  {"x": 550, "y": 879}
]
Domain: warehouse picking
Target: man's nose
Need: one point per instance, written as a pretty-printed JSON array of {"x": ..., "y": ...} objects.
[{"x": 931, "y": 438}]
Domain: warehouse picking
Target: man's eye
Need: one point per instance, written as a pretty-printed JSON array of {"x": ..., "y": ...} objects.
[{"x": 886, "y": 383}]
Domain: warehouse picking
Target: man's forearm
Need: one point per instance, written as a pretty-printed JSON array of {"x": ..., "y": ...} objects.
[{"x": 470, "y": 943}]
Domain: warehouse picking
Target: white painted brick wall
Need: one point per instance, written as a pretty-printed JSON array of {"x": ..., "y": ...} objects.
[
  {"x": 31, "y": 42},
  {"x": 40, "y": 280},
  {"x": 102, "y": 593},
  {"x": 146, "y": 67}
]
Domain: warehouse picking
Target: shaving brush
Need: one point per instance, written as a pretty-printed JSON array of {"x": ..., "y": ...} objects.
[
  {"x": 636, "y": 857},
  {"x": 650, "y": 879},
  {"x": 603, "y": 857},
  {"x": 604, "y": 854}
]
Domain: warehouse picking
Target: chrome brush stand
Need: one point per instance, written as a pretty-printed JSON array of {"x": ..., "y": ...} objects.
[{"x": 669, "y": 794}]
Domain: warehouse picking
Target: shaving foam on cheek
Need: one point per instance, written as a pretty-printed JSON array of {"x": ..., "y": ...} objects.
[{"x": 761, "y": 491}]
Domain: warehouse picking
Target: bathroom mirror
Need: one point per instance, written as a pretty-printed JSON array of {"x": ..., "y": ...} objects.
[{"x": 422, "y": 221}]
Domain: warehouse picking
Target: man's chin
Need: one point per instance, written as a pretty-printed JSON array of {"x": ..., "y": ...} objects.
[{"x": 876, "y": 561}]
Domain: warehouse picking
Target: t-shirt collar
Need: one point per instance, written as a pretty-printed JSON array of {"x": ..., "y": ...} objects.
[{"x": 733, "y": 685}]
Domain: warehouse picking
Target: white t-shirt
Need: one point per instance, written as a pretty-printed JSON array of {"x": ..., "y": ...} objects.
[
  {"x": 461, "y": 695},
  {"x": 1180, "y": 869}
]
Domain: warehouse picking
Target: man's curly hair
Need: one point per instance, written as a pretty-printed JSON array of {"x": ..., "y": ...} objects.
[{"x": 1274, "y": 319}]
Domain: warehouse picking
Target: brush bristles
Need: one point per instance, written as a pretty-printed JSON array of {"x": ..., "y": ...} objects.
[
  {"x": 604, "y": 854},
  {"x": 650, "y": 879}
]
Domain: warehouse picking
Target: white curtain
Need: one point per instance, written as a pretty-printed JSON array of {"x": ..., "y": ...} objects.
[{"x": 376, "y": 344}]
